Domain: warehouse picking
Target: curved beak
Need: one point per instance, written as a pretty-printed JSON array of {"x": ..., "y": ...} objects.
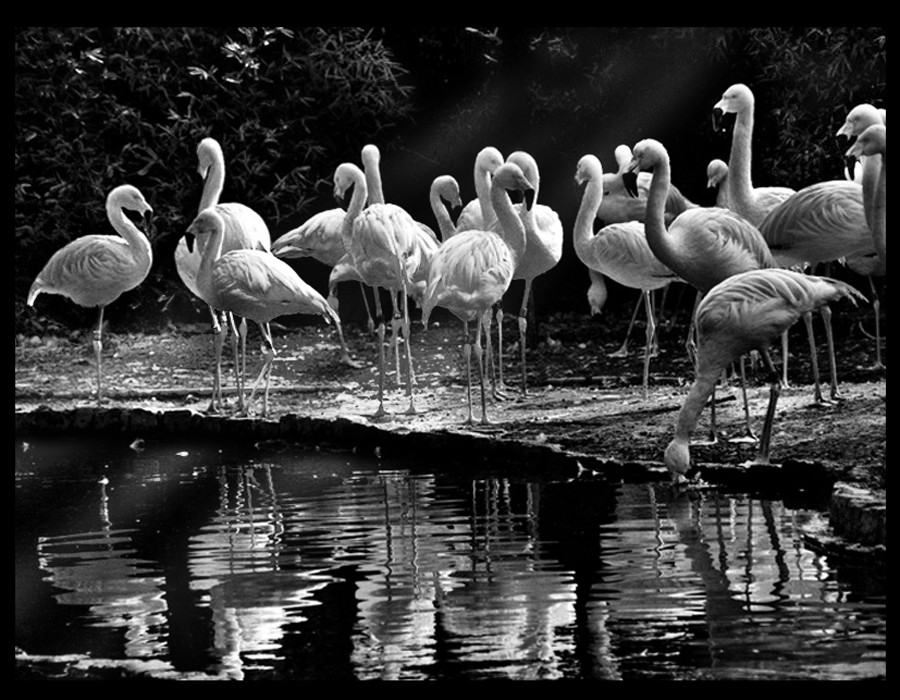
[
  {"x": 718, "y": 119},
  {"x": 529, "y": 198},
  {"x": 629, "y": 179}
]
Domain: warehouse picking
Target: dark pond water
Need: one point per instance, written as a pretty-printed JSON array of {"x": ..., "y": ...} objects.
[{"x": 181, "y": 561}]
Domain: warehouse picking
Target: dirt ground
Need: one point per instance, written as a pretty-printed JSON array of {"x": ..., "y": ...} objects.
[{"x": 581, "y": 398}]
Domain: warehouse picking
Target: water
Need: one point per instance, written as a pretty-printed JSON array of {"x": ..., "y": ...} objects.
[{"x": 208, "y": 562}]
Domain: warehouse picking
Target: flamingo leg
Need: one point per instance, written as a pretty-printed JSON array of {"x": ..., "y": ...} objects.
[
  {"x": 648, "y": 347},
  {"x": 500, "y": 383},
  {"x": 748, "y": 436},
  {"x": 266, "y": 371},
  {"x": 98, "y": 354},
  {"x": 410, "y": 375},
  {"x": 498, "y": 390},
  {"x": 762, "y": 456},
  {"x": 479, "y": 360},
  {"x": 379, "y": 318},
  {"x": 817, "y": 390},
  {"x": 832, "y": 360},
  {"x": 219, "y": 333},
  {"x": 523, "y": 328},
  {"x": 396, "y": 324},
  {"x": 345, "y": 351},
  {"x": 784, "y": 360},
  {"x": 876, "y": 307},
  {"x": 467, "y": 353},
  {"x": 370, "y": 324},
  {"x": 240, "y": 372},
  {"x": 623, "y": 350}
]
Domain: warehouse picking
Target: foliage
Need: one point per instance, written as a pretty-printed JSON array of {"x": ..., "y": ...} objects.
[
  {"x": 97, "y": 107},
  {"x": 805, "y": 80}
]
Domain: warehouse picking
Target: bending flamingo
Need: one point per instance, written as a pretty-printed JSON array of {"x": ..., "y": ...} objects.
[
  {"x": 94, "y": 270},
  {"x": 253, "y": 284},
  {"x": 703, "y": 245},
  {"x": 244, "y": 229},
  {"x": 473, "y": 269},
  {"x": 619, "y": 251},
  {"x": 746, "y": 312}
]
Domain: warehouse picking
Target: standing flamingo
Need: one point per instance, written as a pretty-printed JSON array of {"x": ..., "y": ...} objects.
[
  {"x": 253, "y": 284},
  {"x": 94, "y": 270},
  {"x": 473, "y": 269},
  {"x": 858, "y": 119},
  {"x": 479, "y": 213},
  {"x": 620, "y": 204},
  {"x": 703, "y": 245},
  {"x": 384, "y": 251},
  {"x": 543, "y": 250},
  {"x": 753, "y": 203},
  {"x": 871, "y": 144},
  {"x": 619, "y": 251},
  {"x": 822, "y": 222},
  {"x": 244, "y": 229},
  {"x": 717, "y": 178},
  {"x": 746, "y": 312}
]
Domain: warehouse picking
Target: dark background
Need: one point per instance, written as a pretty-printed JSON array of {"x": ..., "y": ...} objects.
[{"x": 97, "y": 107}]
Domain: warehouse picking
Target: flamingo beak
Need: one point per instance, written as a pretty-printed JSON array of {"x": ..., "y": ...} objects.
[
  {"x": 529, "y": 198},
  {"x": 718, "y": 120},
  {"x": 629, "y": 179}
]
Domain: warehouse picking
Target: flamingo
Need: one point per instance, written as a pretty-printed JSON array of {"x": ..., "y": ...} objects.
[
  {"x": 702, "y": 245},
  {"x": 862, "y": 121},
  {"x": 753, "y": 203},
  {"x": 746, "y": 312},
  {"x": 820, "y": 223},
  {"x": 444, "y": 191},
  {"x": 871, "y": 144},
  {"x": 244, "y": 229},
  {"x": 472, "y": 270},
  {"x": 253, "y": 284},
  {"x": 479, "y": 212},
  {"x": 858, "y": 119},
  {"x": 620, "y": 205},
  {"x": 542, "y": 252},
  {"x": 425, "y": 241},
  {"x": 619, "y": 251},
  {"x": 717, "y": 178},
  {"x": 384, "y": 251},
  {"x": 320, "y": 238},
  {"x": 94, "y": 270}
]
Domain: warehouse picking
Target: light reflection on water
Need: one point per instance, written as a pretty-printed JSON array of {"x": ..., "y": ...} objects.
[{"x": 186, "y": 563}]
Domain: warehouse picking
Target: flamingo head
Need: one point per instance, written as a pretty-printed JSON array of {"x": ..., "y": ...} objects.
[
  {"x": 206, "y": 222},
  {"x": 737, "y": 98}
]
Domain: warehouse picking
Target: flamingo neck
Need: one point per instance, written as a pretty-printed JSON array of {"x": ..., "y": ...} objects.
[
  {"x": 879, "y": 211},
  {"x": 655, "y": 224},
  {"x": 483, "y": 191},
  {"x": 871, "y": 181},
  {"x": 513, "y": 229},
  {"x": 372, "y": 168},
  {"x": 445, "y": 223},
  {"x": 693, "y": 406},
  {"x": 357, "y": 201},
  {"x": 214, "y": 183},
  {"x": 210, "y": 251},
  {"x": 583, "y": 232},
  {"x": 137, "y": 240},
  {"x": 740, "y": 187}
]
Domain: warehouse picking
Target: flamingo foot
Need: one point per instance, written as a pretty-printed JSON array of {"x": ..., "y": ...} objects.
[
  {"x": 350, "y": 362},
  {"x": 748, "y": 438},
  {"x": 621, "y": 352}
]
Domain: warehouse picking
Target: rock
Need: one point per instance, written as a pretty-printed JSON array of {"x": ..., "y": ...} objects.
[{"x": 858, "y": 514}]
